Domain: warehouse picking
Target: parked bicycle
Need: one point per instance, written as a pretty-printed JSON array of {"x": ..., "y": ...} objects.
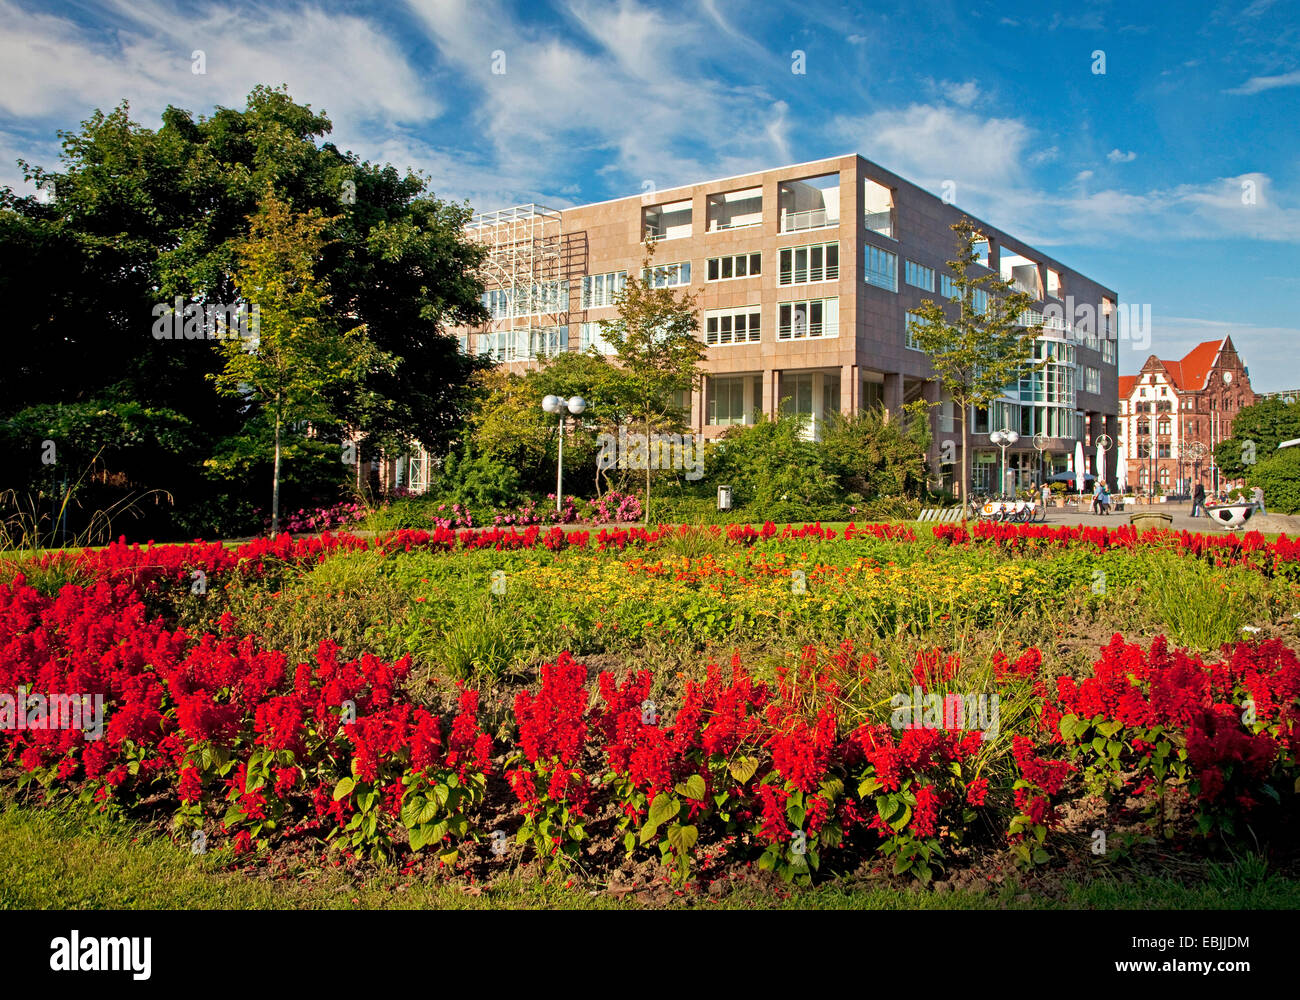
[{"x": 1007, "y": 509}]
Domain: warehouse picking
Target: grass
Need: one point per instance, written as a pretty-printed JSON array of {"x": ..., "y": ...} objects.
[{"x": 51, "y": 859}]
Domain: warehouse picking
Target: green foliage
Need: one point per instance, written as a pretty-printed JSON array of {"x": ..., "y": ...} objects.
[
  {"x": 1279, "y": 476},
  {"x": 975, "y": 355},
  {"x": 772, "y": 462},
  {"x": 874, "y": 456},
  {"x": 1264, "y": 425}
]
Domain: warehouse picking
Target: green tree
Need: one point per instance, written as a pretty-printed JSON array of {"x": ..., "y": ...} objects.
[
  {"x": 773, "y": 462},
  {"x": 141, "y": 215},
  {"x": 975, "y": 354},
  {"x": 1257, "y": 430},
  {"x": 1278, "y": 476},
  {"x": 657, "y": 352},
  {"x": 299, "y": 356},
  {"x": 875, "y": 456}
]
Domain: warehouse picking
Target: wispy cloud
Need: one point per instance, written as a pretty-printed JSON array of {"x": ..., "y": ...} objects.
[
  {"x": 1116, "y": 156},
  {"x": 1258, "y": 84}
]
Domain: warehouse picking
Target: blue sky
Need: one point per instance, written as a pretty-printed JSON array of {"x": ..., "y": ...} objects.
[{"x": 1140, "y": 177}]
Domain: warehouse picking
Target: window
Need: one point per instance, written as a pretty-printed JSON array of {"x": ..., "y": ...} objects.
[
  {"x": 735, "y": 209},
  {"x": 668, "y": 221},
  {"x": 918, "y": 275},
  {"x": 602, "y": 289},
  {"x": 947, "y": 286},
  {"x": 743, "y": 265},
  {"x": 809, "y": 318},
  {"x": 1144, "y": 427},
  {"x": 732, "y": 326},
  {"x": 1091, "y": 380},
  {"x": 726, "y": 403},
  {"x": 1162, "y": 426},
  {"x": 1144, "y": 450},
  {"x": 591, "y": 336},
  {"x": 810, "y": 203},
  {"x": 878, "y": 208},
  {"x": 910, "y": 338},
  {"x": 803, "y": 265},
  {"x": 882, "y": 268},
  {"x": 1053, "y": 283},
  {"x": 1108, "y": 351},
  {"x": 980, "y": 301},
  {"x": 534, "y": 300},
  {"x": 525, "y": 344},
  {"x": 668, "y": 275}
]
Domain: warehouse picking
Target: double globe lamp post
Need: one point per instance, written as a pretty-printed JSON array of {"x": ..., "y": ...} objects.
[
  {"x": 558, "y": 405},
  {"x": 1004, "y": 439}
]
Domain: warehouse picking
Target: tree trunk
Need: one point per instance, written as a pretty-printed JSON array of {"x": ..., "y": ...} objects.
[
  {"x": 275, "y": 480},
  {"x": 647, "y": 468},
  {"x": 965, "y": 455}
]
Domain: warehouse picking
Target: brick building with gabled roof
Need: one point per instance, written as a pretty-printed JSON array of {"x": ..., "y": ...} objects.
[{"x": 1173, "y": 413}]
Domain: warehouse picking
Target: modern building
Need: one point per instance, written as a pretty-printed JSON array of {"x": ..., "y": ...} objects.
[
  {"x": 807, "y": 276},
  {"x": 1173, "y": 413}
]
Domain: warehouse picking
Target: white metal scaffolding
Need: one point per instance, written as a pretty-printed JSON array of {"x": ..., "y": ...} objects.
[{"x": 527, "y": 294}]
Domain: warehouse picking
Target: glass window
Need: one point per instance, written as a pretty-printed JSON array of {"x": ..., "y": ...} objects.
[
  {"x": 918, "y": 275},
  {"x": 809, "y": 318},
  {"x": 882, "y": 268}
]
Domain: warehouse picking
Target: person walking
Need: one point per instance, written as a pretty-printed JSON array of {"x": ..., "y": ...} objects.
[
  {"x": 1047, "y": 494},
  {"x": 1259, "y": 499},
  {"x": 1096, "y": 498},
  {"x": 1198, "y": 501}
]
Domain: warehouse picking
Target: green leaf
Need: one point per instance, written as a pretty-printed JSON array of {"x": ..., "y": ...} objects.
[
  {"x": 344, "y": 788},
  {"x": 867, "y": 786},
  {"x": 664, "y": 808},
  {"x": 682, "y": 838},
  {"x": 692, "y": 788},
  {"x": 743, "y": 768}
]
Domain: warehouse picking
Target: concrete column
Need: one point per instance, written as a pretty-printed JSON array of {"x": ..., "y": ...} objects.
[
  {"x": 700, "y": 405},
  {"x": 750, "y": 402},
  {"x": 849, "y": 388},
  {"x": 893, "y": 394},
  {"x": 772, "y": 392}
]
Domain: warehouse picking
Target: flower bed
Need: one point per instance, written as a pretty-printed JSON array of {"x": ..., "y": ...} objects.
[{"x": 232, "y": 739}]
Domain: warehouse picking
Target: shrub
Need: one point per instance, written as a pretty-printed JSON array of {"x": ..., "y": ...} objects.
[{"x": 1279, "y": 476}]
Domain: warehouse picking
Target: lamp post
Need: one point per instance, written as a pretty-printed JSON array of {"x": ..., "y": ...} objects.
[
  {"x": 1040, "y": 442},
  {"x": 1003, "y": 439},
  {"x": 559, "y": 405}
]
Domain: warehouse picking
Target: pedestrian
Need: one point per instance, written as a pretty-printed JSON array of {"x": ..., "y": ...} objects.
[
  {"x": 1198, "y": 501},
  {"x": 1259, "y": 499},
  {"x": 1047, "y": 493},
  {"x": 1096, "y": 497}
]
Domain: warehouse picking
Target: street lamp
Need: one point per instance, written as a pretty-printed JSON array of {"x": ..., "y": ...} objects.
[
  {"x": 558, "y": 405},
  {"x": 1004, "y": 438}
]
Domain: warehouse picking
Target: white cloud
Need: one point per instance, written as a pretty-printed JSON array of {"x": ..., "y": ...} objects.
[
  {"x": 1257, "y": 84},
  {"x": 1268, "y": 351},
  {"x": 1116, "y": 156},
  {"x": 962, "y": 93},
  {"x": 1047, "y": 155}
]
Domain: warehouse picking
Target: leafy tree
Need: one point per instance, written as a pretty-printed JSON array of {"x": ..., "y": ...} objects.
[
  {"x": 773, "y": 462},
  {"x": 142, "y": 215},
  {"x": 657, "y": 352},
  {"x": 874, "y": 456},
  {"x": 1279, "y": 477},
  {"x": 299, "y": 354},
  {"x": 975, "y": 355},
  {"x": 1257, "y": 430}
]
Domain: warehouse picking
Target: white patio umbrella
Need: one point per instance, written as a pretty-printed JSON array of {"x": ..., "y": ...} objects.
[
  {"x": 1078, "y": 465},
  {"x": 1121, "y": 476},
  {"x": 1101, "y": 463}
]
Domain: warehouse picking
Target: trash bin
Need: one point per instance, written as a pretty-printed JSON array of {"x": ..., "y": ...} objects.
[{"x": 724, "y": 498}]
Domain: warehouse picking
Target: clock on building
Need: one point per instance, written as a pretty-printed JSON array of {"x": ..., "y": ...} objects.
[{"x": 1227, "y": 378}]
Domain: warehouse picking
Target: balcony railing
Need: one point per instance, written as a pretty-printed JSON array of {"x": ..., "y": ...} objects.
[
  {"x": 812, "y": 218},
  {"x": 880, "y": 222}
]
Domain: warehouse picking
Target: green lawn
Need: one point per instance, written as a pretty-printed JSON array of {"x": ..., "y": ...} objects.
[{"x": 50, "y": 859}]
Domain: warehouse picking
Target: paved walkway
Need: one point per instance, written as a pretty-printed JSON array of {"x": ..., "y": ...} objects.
[{"x": 1181, "y": 514}]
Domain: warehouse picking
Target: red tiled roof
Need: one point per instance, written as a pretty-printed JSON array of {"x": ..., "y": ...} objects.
[
  {"x": 1126, "y": 384},
  {"x": 1195, "y": 367}
]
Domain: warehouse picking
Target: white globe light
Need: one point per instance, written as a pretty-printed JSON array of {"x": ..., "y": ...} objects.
[
  {"x": 551, "y": 404},
  {"x": 1012, "y": 437},
  {"x": 576, "y": 405}
]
